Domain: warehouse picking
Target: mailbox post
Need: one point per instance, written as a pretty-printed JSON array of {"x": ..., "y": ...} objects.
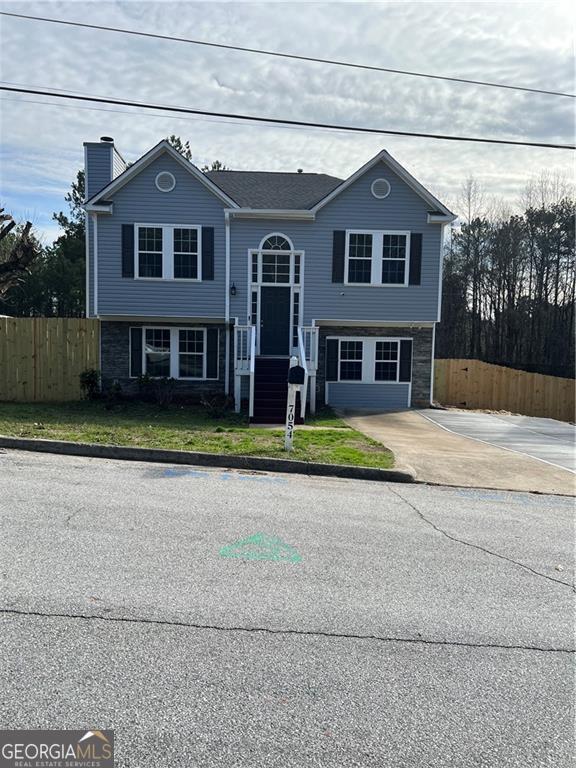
[{"x": 295, "y": 383}]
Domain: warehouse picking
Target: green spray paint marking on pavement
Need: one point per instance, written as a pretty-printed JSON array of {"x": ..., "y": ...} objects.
[{"x": 261, "y": 547}]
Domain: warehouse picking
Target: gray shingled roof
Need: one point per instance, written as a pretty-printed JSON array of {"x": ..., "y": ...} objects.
[{"x": 263, "y": 189}]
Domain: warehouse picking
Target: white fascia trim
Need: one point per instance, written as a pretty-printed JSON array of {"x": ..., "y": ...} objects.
[
  {"x": 385, "y": 157},
  {"x": 375, "y": 323},
  {"x": 271, "y": 213},
  {"x": 134, "y": 318},
  {"x": 144, "y": 162},
  {"x": 435, "y": 218},
  {"x": 108, "y": 208}
]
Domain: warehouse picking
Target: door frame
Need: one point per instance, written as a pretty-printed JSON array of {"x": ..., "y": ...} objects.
[
  {"x": 253, "y": 308},
  {"x": 288, "y": 345}
]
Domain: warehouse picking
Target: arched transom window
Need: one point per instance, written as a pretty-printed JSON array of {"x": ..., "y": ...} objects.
[{"x": 276, "y": 242}]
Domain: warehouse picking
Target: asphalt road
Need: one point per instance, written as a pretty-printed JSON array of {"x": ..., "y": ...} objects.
[{"x": 408, "y": 626}]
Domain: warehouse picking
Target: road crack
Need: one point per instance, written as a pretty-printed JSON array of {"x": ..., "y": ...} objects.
[
  {"x": 437, "y": 528},
  {"x": 290, "y": 632}
]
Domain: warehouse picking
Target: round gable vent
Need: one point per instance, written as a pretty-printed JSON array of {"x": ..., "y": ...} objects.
[
  {"x": 380, "y": 188},
  {"x": 165, "y": 181}
]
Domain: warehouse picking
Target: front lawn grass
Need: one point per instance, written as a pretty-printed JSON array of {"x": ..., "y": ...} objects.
[{"x": 189, "y": 428}]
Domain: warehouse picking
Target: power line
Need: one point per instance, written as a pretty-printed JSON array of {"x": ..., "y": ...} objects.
[
  {"x": 215, "y": 121},
  {"x": 278, "y": 54},
  {"x": 280, "y": 121}
]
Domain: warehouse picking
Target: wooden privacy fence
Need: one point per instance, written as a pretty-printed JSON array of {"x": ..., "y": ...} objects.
[
  {"x": 42, "y": 358},
  {"x": 474, "y": 384}
]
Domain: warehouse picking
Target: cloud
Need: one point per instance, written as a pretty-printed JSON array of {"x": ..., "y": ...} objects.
[{"x": 524, "y": 43}]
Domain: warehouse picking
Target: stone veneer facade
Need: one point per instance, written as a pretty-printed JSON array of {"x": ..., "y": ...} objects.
[
  {"x": 115, "y": 358},
  {"x": 421, "y": 356}
]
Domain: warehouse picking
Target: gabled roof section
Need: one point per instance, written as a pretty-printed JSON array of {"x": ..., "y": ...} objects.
[
  {"x": 266, "y": 190},
  {"x": 143, "y": 162},
  {"x": 386, "y": 158}
]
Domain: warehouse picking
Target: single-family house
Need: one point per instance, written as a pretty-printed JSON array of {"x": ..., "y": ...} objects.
[{"x": 216, "y": 279}]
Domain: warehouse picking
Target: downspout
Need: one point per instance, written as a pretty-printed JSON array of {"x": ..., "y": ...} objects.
[
  {"x": 227, "y": 303},
  {"x": 432, "y": 363},
  {"x": 87, "y": 261}
]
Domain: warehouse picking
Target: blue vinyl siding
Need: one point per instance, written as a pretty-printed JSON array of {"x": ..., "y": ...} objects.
[
  {"x": 98, "y": 166},
  {"x": 355, "y": 208},
  {"x": 140, "y": 201},
  {"x": 387, "y": 397}
]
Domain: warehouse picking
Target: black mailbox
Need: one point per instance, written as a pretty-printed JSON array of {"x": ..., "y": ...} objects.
[{"x": 296, "y": 375}]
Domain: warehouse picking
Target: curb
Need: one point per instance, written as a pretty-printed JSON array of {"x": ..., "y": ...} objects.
[{"x": 264, "y": 464}]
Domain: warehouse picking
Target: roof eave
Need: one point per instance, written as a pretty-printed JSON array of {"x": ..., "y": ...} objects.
[
  {"x": 271, "y": 213},
  {"x": 98, "y": 207},
  {"x": 437, "y": 218},
  {"x": 394, "y": 165},
  {"x": 149, "y": 157}
]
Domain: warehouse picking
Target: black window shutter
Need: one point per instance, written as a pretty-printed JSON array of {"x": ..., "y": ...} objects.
[
  {"x": 415, "y": 258},
  {"x": 207, "y": 253},
  {"x": 127, "y": 250},
  {"x": 212, "y": 353},
  {"x": 332, "y": 360},
  {"x": 406, "y": 360},
  {"x": 338, "y": 251},
  {"x": 136, "y": 352}
]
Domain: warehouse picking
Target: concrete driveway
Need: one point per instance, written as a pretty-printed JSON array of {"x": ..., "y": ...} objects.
[
  {"x": 420, "y": 626},
  {"x": 547, "y": 440},
  {"x": 479, "y": 450}
]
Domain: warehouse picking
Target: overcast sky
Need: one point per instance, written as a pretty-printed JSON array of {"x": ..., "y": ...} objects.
[{"x": 521, "y": 43}]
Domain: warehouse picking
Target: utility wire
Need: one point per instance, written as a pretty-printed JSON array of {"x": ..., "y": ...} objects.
[
  {"x": 198, "y": 118},
  {"x": 278, "y": 54},
  {"x": 280, "y": 121}
]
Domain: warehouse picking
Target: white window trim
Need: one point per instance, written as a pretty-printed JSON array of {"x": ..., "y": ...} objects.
[
  {"x": 369, "y": 359},
  {"x": 168, "y": 252},
  {"x": 362, "y": 361},
  {"x": 397, "y": 361},
  {"x": 377, "y": 243},
  {"x": 175, "y": 352},
  {"x": 294, "y": 287},
  {"x": 276, "y": 234}
]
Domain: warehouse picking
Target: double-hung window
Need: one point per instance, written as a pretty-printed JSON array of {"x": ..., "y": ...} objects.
[
  {"x": 191, "y": 359},
  {"x": 157, "y": 352},
  {"x": 386, "y": 361},
  {"x": 360, "y": 257},
  {"x": 150, "y": 249},
  {"x": 351, "y": 360},
  {"x": 377, "y": 257},
  {"x": 168, "y": 252},
  {"x": 179, "y": 353},
  {"x": 368, "y": 360},
  {"x": 394, "y": 259},
  {"x": 185, "y": 253}
]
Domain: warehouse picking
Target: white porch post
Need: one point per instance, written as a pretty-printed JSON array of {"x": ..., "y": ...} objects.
[{"x": 312, "y": 393}]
